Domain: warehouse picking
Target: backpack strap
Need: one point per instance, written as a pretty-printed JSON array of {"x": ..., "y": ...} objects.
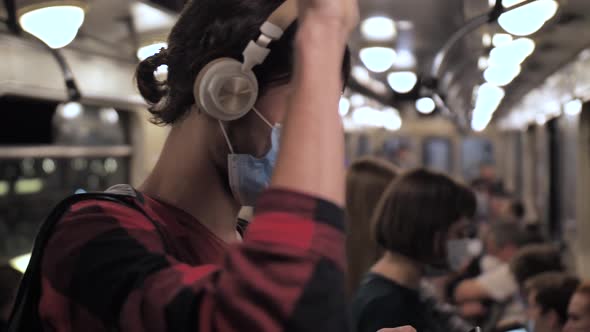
[{"x": 25, "y": 314}]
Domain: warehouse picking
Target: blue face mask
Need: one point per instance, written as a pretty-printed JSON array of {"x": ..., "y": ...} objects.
[{"x": 248, "y": 175}]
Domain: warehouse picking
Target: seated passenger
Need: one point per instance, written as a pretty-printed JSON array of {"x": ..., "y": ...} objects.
[
  {"x": 421, "y": 223},
  {"x": 496, "y": 283},
  {"x": 578, "y": 311},
  {"x": 535, "y": 259},
  {"x": 366, "y": 181},
  {"x": 548, "y": 296}
]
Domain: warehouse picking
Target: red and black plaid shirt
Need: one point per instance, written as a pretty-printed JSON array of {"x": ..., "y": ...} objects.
[{"x": 107, "y": 268}]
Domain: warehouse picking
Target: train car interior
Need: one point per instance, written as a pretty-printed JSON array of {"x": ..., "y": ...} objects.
[{"x": 492, "y": 93}]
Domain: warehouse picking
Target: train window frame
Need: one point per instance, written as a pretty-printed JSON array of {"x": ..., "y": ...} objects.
[
  {"x": 36, "y": 171},
  {"x": 426, "y": 141},
  {"x": 471, "y": 172}
]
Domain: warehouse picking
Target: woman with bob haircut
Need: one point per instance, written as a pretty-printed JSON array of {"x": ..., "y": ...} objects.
[{"x": 422, "y": 223}]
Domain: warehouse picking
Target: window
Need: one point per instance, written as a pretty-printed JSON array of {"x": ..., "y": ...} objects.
[{"x": 438, "y": 154}]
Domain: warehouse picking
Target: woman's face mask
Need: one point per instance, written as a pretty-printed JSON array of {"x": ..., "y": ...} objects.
[
  {"x": 455, "y": 250},
  {"x": 461, "y": 251},
  {"x": 248, "y": 175}
]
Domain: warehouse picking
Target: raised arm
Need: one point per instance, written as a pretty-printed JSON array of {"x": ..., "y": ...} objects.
[{"x": 311, "y": 158}]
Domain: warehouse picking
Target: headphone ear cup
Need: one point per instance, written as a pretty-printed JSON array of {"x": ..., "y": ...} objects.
[{"x": 224, "y": 91}]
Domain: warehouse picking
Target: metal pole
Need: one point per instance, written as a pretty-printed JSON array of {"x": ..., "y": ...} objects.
[{"x": 470, "y": 26}]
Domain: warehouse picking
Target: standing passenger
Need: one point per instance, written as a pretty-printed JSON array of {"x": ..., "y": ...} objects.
[
  {"x": 366, "y": 181},
  {"x": 421, "y": 222},
  {"x": 108, "y": 268}
]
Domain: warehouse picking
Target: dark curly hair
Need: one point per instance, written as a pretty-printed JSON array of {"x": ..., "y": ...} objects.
[{"x": 206, "y": 30}]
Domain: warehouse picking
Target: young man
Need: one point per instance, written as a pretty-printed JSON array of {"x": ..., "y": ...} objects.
[{"x": 548, "y": 296}]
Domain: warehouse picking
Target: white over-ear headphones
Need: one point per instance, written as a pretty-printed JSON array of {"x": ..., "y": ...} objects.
[{"x": 227, "y": 89}]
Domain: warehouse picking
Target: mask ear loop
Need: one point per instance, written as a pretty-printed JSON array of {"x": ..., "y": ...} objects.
[
  {"x": 231, "y": 148},
  {"x": 262, "y": 117}
]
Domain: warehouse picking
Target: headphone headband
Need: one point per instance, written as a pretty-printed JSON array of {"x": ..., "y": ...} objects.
[
  {"x": 227, "y": 89},
  {"x": 285, "y": 15}
]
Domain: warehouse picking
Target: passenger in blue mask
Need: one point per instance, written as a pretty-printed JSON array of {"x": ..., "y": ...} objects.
[
  {"x": 170, "y": 258},
  {"x": 249, "y": 175}
]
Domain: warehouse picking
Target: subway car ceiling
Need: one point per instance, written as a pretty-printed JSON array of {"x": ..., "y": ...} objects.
[{"x": 487, "y": 76}]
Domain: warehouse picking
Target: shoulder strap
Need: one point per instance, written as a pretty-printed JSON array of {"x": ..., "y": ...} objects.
[{"x": 25, "y": 315}]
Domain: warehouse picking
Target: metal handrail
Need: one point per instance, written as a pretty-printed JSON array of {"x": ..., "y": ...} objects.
[
  {"x": 470, "y": 26},
  {"x": 61, "y": 151}
]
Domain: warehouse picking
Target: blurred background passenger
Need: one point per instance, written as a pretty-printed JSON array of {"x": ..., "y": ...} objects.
[
  {"x": 421, "y": 224},
  {"x": 579, "y": 310},
  {"x": 535, "y": 259},
  {"x": 548, "y": 296},
  {"x": 495, "y": 285},
  {"x": 366, "y": 181}
]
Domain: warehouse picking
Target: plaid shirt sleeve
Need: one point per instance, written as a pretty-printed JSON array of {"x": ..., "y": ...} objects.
[{"x": 106, "y": 269}]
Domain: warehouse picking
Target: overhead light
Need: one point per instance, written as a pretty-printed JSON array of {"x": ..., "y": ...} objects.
[
  {"x": 541, "y": 119},
  {"x": 501, "y": 39},
  {"x": 377, "y": 87},
  {"x": 70, "y": 110},
  {"x": 501, "y": 75},
  {"x": 4, "y": 188},
  {"x": 162, "y": 73},
  {"x": 425, "y": 105},
  {"x": 20, "y": 263},
  {"x": 480, "y": 121},
  {"x": 405, "y": 59},
  {"x": 361, "y": 74},
  {"x": 150, "y": 49},
  {"x": 403, "y": 81},
  {"x": 391, "y": 119},
  {"x": 574, "y": 107},
  {"x": 148, "y": 18},
  {"x": 109, "y": 115},
  {"x": 369, "y": 117},
  {"x": 344, "y": 106},
  {"x": 357, "y": 100},
  {"x": 378, "y": 28},
  {"x": 405, "y": 25},
  {"x": 111, "y": 165},
  {"x": 378, "y": 59},
  {"x": 483, "y": 62},
  {"x": 48, "y": 165},
  {"x": 529, "y": 18},
  {"x": 486, "y": 40},
  {"x": 489, "y": 98},
  {"x": 513, "y": 53},
  {"x": 56, "y": 23}
]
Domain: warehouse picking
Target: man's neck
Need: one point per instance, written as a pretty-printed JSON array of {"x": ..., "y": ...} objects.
[{"x": 186, "y": 177}]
